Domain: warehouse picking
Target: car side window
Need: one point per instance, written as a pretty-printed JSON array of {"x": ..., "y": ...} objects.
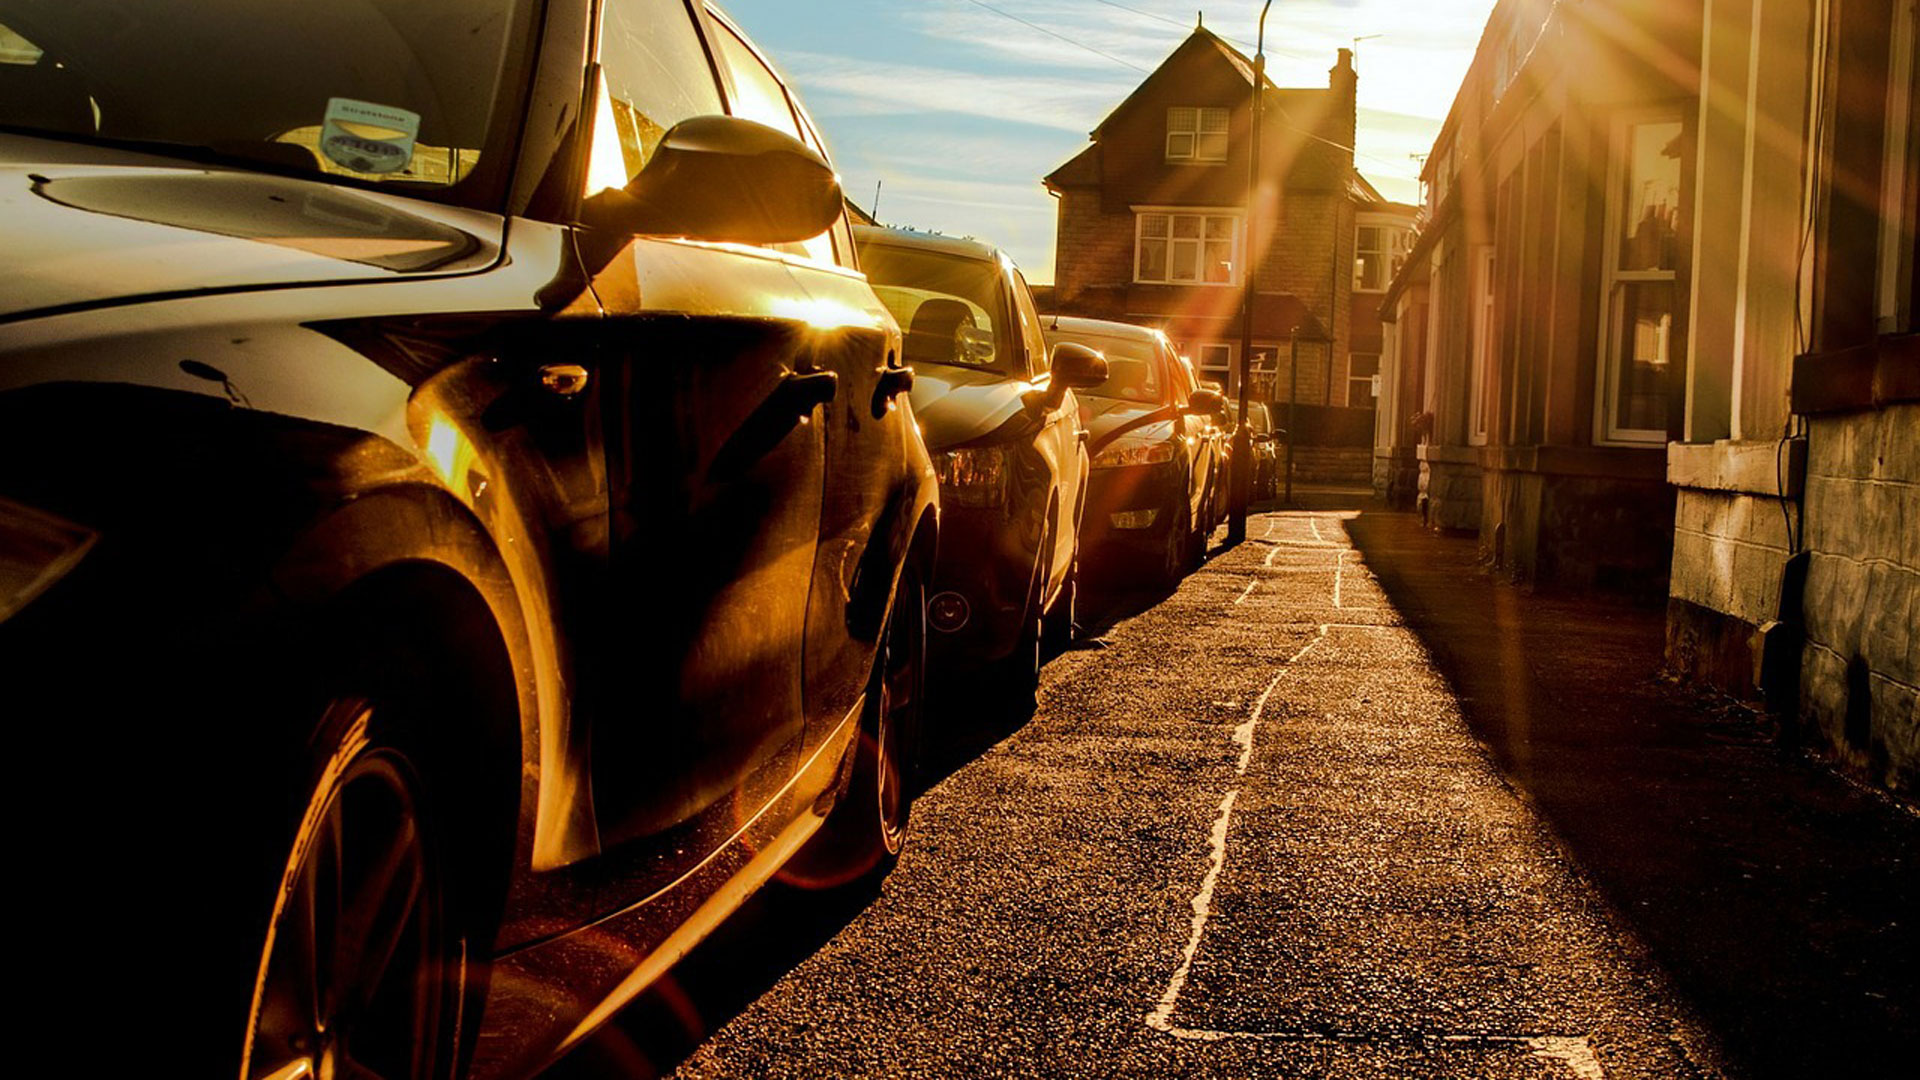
[
  {"x": 758, "y": 95},
  {"x": 655, "y": 74},
  {"x": 1177, "y": 377},
  {"x": 1038, "y": 362}
]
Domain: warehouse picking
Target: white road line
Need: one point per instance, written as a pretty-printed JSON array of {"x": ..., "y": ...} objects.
[
  {"x": 1248, "y": 591},
  {"x": 1160, "y": 1019},
  {"x": 1314, "y": 524},
  {"x": 1339, "y": 562},
  {"x": 1575, "y": 1053},
  {"x": 1572, "y": 1051},
  {"x": 1244, "y": 733}
]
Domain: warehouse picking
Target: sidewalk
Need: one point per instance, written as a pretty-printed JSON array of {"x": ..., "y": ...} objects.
[{"x": 1781, "y": 899}]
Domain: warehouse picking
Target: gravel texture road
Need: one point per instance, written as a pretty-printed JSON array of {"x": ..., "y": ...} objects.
[{"x": 1244, "y": 832}]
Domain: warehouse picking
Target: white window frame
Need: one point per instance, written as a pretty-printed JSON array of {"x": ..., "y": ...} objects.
[
  {"x": 1201, "y": 367},
  {"x": 1613, "y": 278},
  {"x": 1188, "y": 129},
  {"x": 1480, "y": 375},
  {"x": 1234, "y": 217},
  {"x": 1369, "y": 385}
]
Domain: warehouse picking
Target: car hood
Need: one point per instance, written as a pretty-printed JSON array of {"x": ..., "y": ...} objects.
[
  {"x": 84, "y": 226},
  {"x": 1109, "y": 418},
  {"x": 959, "y": 405}
]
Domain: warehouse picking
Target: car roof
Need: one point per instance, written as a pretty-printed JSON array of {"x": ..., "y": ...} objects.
[
  {"x": 909, "y": 238},
  {"x": 1076, "y": 324}
]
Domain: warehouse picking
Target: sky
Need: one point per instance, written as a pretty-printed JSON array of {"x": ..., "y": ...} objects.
[{"x": 957, "y": 108}]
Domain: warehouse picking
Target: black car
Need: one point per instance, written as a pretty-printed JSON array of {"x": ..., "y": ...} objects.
[
  {"x": 1156, "y": 466},
  {"x": 1266, "y": 450},
  {"x": 461, "y": 524},
  {"x": 999, "y": 414}
]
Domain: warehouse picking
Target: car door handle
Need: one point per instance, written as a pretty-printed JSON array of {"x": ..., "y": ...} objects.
[
  {"x": 790, "y": 405},
  {"x": 804, "y": 391},
  {"x": 889, "y": 383}
]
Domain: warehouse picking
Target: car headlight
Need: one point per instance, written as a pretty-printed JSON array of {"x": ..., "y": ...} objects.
[
  {"x": 972, "y": 476},
  {"x": 1126, "y": 452},
  {"x": 36, "y": 550}
]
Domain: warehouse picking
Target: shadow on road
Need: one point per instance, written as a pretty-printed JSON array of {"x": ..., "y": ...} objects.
[
  {"x": 780, "y": 926},
  {"x": 1781, "y": 899}
]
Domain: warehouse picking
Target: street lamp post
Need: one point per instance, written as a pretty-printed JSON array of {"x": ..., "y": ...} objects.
[{"x": 1241, "y": 492}]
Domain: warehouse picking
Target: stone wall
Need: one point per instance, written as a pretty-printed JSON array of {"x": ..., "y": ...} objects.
[
  {"x": 1860, "y": 668},
  {"x": 1449, "y": 495}
]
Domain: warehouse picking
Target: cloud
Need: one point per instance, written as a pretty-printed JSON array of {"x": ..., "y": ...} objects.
[{"x": 864, "y": 87}]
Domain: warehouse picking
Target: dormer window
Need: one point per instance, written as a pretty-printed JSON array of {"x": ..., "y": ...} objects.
[{"x": 1196, "y": 134}]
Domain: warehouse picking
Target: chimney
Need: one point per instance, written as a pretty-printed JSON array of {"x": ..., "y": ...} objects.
[{"x": 1344, "y": 83}]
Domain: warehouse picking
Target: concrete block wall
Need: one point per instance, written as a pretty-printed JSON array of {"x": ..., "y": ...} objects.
[
  {"x": 1729, "y": 552},
  {"x": 1351, "y": 465},
  {"x": 1450, "y": 494},
  {"x": 1860, "y": 669}
]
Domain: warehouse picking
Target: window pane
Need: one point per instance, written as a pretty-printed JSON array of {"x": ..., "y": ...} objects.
[
  {"x": 1186, "y": 260},
  {"x": 1186, "y": 226},
  {"x": 757, "y": 94},
  {"x": 1153, "y": 260},
  {"x": 1368, "y": 272},
  {"x": 1368, "y": 238},
  {"x": 1652, "y": 197},
  {"x": 1213, "y": 120},
  {"x": 1219, "y": 259},
  {"x": 1179, "y": 145},
  {"x": 1153, "y": 225},
  {"x": 656, "y": 76},
  {"x": 1212, "y": 147},
  {"x": 1219, "y": 228},
  {"x": 1643, "y": 323},
  {"x": 1180, "y": 119}
]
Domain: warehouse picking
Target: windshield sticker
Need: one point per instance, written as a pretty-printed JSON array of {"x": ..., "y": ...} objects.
[{"x": 368, "y": 138}]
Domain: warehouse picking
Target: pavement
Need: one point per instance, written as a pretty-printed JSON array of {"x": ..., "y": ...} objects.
[{"x": 1339, "y": 806}]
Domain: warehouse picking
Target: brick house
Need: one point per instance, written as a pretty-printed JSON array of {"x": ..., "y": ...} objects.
[
  {"x": 1659, "y": 332},
  {"x": 1152, "y": 225}
]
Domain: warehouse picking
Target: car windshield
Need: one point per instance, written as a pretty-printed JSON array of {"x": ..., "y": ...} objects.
[
  {"x": 1133, "y": 367},
  {"x": 392, "y": 92},
  {"x": 949, "y": 305}
]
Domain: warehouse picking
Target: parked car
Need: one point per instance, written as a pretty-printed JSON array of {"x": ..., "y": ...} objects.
[
  {"x": 999, "y": 413},
  {"x": 1155, "y": 458},
  {"x": 1220, "y": 429},
  {"x": 424, "y": 598},
  {"x": 1266, "y": 451}
]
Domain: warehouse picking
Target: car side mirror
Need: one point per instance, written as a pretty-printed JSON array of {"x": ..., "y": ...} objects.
[
  {"x": 1207, "y": 403},
  {"x": 1074, "y": 367},
  {"x": 1077, "y": 367},
  {"x": 724, "y": 178}
]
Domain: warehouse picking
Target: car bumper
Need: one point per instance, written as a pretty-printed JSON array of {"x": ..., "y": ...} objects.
[
  {"x": 1131, "y": 509},
  {"x": 986, "y": 561}
]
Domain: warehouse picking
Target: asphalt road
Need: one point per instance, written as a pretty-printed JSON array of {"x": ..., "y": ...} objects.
[{"x": 1244, "y": 832}]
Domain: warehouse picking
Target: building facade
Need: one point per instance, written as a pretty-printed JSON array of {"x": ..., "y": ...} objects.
[
  {"x": 1658, "y": 333},
  {"x": 1153, "y": 226}
]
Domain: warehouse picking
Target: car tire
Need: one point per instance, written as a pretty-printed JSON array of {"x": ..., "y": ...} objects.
[
  {"x": 364, "y": 968},
  {"x": 1196, "y": 541},
  {"x": 1177, "y": 554},
  {"x": 867, "y": 827}
]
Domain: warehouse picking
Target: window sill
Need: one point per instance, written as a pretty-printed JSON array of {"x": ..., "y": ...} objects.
[{"x": 1863, "y": 377}]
